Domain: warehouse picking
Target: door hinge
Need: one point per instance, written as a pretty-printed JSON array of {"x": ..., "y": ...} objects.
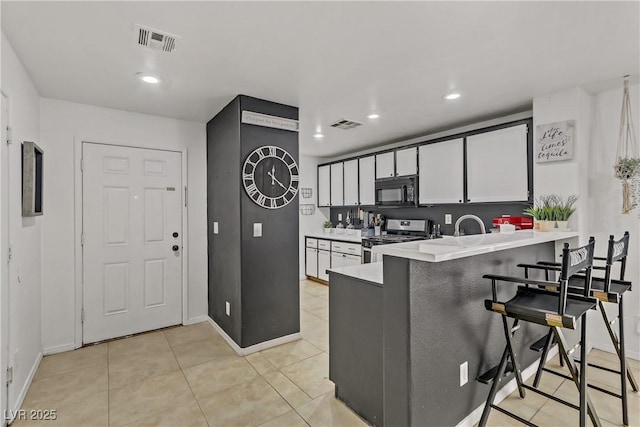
[
  {"x": 10, "y": 254},
  {"x": 81, "y": 239},
  {"x": 186, "y": 195},
  {"x": 82, "y": 315},
  {"x": 9, "y": 134},
  {"x": 82, "y": 164},
  {"x": 9, "y": 375}
]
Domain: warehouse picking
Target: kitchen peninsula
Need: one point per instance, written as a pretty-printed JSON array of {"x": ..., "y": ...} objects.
[{"x": 424, "y": 321}]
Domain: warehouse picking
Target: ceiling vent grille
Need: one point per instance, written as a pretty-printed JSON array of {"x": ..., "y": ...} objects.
[
  {"x": 154, "y": 39},
  {"x": 345, "y": 124}
]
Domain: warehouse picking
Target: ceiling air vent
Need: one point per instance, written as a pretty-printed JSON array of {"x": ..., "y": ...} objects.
[
  {"x": 345, "y": 124},
  {"x": 154, "y": 39}
]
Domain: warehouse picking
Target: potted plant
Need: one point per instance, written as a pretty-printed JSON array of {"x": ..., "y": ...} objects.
[
  {"x": 563, "y": 209},
  {"x": 543, "y": 213},
  {"x": 327, "y": 226},
  {"x": 625, "y": 169}
]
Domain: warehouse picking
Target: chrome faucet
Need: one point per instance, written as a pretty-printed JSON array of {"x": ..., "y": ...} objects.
[{"x": 456, "y": 233}]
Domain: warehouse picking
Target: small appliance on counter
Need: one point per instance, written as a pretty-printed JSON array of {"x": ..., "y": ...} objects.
[
  {"x": 520, "y": 222},
  {"x": 399, "y": 231}
]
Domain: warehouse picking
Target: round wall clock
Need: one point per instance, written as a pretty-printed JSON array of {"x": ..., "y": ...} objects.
[{"x": 270, "y": 177}]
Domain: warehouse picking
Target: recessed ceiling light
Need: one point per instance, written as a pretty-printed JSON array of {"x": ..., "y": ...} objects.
[
  {"x": 452, "y": 95},
  {"x": 318, "y": 135},
  {"x": 148, "y": 78},
  {"x": 373, "y": 116}
]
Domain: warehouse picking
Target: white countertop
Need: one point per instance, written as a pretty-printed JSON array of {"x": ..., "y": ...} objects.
[
  {"x": 449, "y": 247},
  {"x": 370, "y": 272},
  {"x": 355, "y": 238}
]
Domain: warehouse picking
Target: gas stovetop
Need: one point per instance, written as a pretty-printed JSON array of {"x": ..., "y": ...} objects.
[
  {"x": 401, "y": 230},
  {"x": 392, "y": 238}
]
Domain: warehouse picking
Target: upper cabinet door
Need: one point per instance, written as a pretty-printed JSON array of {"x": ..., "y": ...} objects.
[
  {"x": 324, "y": 186},
  {"x": 441, "y": 172},
  {"x": 497, "y": 166},
  {"x": 351, "y": 182},
  {"x": 367, "y": 174},
  {"x": 385, "y": 167},
  {"x": 337, "y": 185},
  {"x": 406, "y": 162}
]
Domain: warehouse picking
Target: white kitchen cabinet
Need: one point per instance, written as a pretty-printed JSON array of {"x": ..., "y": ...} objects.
[
  {"x": 324, "y": 263},
  {"x": 324, "y": 186},
  {"x": 339, "y": 260},
  {"x": 367, "y": 175},
  {"x": 406, "y": 162},
  {"x": 385, "y": 167},
  {"x": 441, "y": 177},
  {"x": 311, "y": 269},
  {"x": 351, "y": 183},
  {"x": 337, "y": 184},
  {"x": 497, "y": 166}
]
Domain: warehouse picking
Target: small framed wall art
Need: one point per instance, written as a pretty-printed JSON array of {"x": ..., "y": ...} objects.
[{"x": 554, "y": 141}]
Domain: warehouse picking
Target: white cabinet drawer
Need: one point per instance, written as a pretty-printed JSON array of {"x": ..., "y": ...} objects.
[
  {"x": 346, "y": 248},
  {"x": 324, "y": 244},
  {"x": 312, "y": 243}
]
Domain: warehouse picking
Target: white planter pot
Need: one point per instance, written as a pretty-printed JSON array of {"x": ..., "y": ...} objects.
[
  {"x": 562, "y": 225},
  {"x": 543, "y": 225}
]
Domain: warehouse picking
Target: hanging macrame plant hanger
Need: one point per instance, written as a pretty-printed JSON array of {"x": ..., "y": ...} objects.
[{"x": 627, "y": 160}]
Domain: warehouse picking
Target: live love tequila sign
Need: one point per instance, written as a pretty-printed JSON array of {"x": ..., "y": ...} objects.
[{"x": 555, "y": 141}]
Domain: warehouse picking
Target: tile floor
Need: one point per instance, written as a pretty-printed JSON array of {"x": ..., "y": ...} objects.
[{"x": 188, "y": 376}]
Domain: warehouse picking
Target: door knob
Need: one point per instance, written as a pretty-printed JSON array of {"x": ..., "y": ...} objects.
[
  {"x": 175, "y": 248},
  {"x": 175, "y": 234}
]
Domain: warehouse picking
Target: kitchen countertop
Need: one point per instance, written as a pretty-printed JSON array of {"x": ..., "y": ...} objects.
[
  {"x": 353, "y": 238},
  {"x": 449, "y": 247},
  {"x": 368, "y": 272}
]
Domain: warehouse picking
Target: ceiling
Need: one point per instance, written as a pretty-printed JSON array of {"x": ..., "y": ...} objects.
[{"x": 331, "y": 59}]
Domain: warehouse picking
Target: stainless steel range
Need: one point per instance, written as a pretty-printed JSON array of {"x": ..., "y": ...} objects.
[{"x": 398, "y": 231}]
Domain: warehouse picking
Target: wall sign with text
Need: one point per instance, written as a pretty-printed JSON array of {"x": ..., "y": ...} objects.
[{"x": 555, "y": 141}]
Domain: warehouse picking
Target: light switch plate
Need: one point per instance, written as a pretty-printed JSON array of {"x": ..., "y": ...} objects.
[
  {"x": 339, "y": 217},
  {"x": 464, "y": 373},
  {"x": 215, "y": 227},
  {"x": 257, "y": 229},
  {"x": 227, "y": 308}
]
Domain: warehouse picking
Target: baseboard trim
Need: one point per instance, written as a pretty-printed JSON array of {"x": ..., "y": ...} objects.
[
  {"x": 244, "y": 351},
  {"x": 474, "y": 417},
  {"x": 197, "y": 319},
  {"x": 25, "y": 387},
  {"x": 59, "y": 349},
  {"x": 608, "y": 347}
]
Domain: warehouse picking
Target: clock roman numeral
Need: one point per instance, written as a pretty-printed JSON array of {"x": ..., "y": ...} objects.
[
  {"x": 260, "y": 154},
  {"x": 273, "y": 151},
  {"x": 252, "y": 190},
  {"x": 247, "y": 176},
  {"x": 295, "y": 178},
  {"x": 273, "y": 203},
  {"x": 261, "y": 199}
]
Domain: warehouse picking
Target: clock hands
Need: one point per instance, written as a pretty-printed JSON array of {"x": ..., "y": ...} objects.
[
  {"x": 273, "y": 178},
  {"x": 273, "y": 175}
]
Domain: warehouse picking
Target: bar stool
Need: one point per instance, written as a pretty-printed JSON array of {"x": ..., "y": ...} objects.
[
  {"x": 606, "y": 290},
  {"x": 545, "y": 303}
]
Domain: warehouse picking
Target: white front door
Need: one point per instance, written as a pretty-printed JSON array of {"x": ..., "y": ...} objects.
[
  {"x": 132, "y": 233},
  {"x": 4, "y": 262}
]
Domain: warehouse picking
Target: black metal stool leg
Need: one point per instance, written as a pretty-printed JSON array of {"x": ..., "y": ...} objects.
[
  {"x": 623, "y": 362},
  {"x": 497, "y": 380},
  {"x": 543, "y": 358},
  {"x": 620, "y": 346},
  {"x": 562, "y": 348},
  {"x": 514, "y": 359}
]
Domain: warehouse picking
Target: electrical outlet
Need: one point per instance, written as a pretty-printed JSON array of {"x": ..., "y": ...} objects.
[
  {"x": 257, "y": 229},
  {"x": 464, "y": 373},
  {"x": 339, "y": 217},
  {"x": 227, "y": 308},
  {"x": 447, "y": 219}
]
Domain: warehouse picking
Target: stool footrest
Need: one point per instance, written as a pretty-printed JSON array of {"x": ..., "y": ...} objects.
[
  {"x": 488, "y": 376},
  {"x": 539, "y": 345},
  {"x": 595, "y": 387},
  {"x": 602, "y": 368},
  {"x": 514, "y": 416},
  {"x": 551, "y": 396}
]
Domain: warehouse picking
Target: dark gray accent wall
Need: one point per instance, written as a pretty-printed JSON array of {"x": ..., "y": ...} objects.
[
  {"x": 439, "y": 322},
  {"x": 259, "y": 276},
  {"x": 223, "y": 205}
]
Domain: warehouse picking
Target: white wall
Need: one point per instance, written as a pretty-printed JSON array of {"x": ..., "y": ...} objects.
[
  {"x": 63, "y": 123},
  {"x": 310, "y": 223},
  {"x": 590, "y": 175},
  {"x": 605, "y": 205},
  {"x": 25, "y": 233}
]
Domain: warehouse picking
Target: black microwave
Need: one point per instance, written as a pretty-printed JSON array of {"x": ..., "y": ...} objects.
[{"x": 397, "y": 191}]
